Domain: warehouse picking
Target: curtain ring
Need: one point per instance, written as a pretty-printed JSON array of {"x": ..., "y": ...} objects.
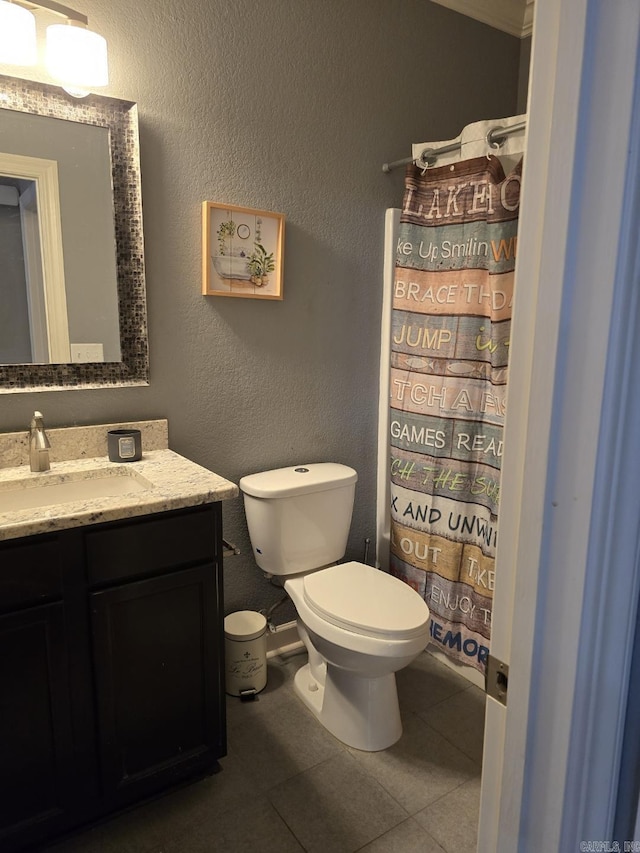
[
  {"x": 427, "y": 158},
  {"x": 493, "y": 139}
]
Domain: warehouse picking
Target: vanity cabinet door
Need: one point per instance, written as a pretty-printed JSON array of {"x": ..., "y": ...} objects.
[
  {"x": 36, "y": 749},
  {"x": 158, "y": 681}
]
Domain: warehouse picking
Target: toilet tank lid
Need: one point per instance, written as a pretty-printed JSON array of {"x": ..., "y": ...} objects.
[{"x": 298, "y": 480}]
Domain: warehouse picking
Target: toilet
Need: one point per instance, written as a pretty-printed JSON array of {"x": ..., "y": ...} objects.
[{"x": 359, "y": 625}]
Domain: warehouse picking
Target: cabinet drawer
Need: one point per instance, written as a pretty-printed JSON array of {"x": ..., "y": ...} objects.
[
  {"x": 152, "y": 545},
  {"x": 30, "y": 572}
]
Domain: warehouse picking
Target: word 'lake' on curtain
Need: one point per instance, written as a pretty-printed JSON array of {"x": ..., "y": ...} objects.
[{"x": 451, "y": 320}]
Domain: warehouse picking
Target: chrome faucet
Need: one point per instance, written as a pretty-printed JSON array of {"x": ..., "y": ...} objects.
[{"x": 38, "y": 444}]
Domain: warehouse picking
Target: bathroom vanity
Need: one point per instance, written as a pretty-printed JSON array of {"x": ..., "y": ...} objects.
[{"x": 111, "y": 641}]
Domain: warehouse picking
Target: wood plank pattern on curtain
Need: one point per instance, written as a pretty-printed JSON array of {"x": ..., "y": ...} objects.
[{"x": 451, "y": 320}]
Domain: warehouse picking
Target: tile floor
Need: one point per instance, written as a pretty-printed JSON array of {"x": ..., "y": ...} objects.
[{"x": 287, "y": 785}]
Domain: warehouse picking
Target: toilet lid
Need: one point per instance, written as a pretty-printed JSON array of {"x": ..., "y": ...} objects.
[{"x": 366, "y": 601}]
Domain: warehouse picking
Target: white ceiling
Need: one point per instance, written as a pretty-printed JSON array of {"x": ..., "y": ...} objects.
[{"x": 512, "y": 16}]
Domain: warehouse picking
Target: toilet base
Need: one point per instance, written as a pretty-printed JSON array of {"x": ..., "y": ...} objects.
[{"x": 361, "y": 712}]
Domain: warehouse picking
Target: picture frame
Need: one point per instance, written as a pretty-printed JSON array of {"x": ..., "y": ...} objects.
[{"x": 242, "y": 251}]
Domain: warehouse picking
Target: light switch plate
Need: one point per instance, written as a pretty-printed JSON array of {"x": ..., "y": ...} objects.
[{"x": 89, "y": 353}]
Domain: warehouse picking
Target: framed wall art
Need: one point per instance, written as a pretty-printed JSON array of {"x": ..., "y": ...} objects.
[{"x": 242, "y": 251}]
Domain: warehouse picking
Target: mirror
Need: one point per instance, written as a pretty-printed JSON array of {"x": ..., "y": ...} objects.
[
  {"x": 56, "y": 222},
  {"x": 74, "y": 307}
]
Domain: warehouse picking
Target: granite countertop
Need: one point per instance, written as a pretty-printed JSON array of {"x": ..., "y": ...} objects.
[{"x": 174, "y": 483}]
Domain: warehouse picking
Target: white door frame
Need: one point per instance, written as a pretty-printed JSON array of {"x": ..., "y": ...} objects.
[
  {"x": 34, "y": 275},
  {"x": 565, "y": 600}
]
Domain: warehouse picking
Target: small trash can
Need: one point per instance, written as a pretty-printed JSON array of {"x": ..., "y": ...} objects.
[{"x": 245, "y": 647}]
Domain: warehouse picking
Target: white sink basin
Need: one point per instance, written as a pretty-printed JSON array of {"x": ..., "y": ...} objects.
[{"x": 47, "y": 489}]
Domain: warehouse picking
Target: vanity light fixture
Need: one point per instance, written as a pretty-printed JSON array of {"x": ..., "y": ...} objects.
[
  {"x": 75, "y": 56},
  {"x": 17, "y": 34}
]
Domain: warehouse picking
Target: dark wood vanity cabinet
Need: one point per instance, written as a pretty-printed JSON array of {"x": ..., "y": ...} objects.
[
  {"x": 111, "y": 668},
  {"x": 36, "y": 737}
]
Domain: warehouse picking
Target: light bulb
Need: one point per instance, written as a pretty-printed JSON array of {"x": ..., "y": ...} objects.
[
  {"x": 17, "y": 35},
  {"x": 76, "y": 57}
]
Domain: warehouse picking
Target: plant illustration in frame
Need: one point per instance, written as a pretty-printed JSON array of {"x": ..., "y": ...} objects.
[{"x": 242, "y": 251}]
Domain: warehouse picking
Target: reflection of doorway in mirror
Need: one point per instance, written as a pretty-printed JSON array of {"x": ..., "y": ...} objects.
[
  {"x": 87, "y": 222},
  {"x": 36, "y": 181},
  {"x": 34, "y": 277}
]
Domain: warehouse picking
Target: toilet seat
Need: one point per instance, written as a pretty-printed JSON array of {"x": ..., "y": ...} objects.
[{"x": 366, "y": 601}]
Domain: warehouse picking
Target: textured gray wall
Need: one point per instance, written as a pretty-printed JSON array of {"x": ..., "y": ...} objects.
[{"x": 292, "y": 106}]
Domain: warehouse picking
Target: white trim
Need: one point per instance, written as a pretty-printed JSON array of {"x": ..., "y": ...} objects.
[
  {"x": 33, "y": 271},
  {"x": 510, "y": 16},
  {"x": 383, "y": 513},
  {"x": 527, "y": 21},
  {"x": 612, "y": 579},
  {"x": 45, "y": 174},
  {"x": 564, "y": 712},
  {"x": 535, "y": 323}
]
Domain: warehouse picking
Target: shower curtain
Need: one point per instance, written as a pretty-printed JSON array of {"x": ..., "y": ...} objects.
[{"x": 453, "y": 290}]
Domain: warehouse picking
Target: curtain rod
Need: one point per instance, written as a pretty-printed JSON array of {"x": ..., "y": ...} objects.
[{"x": 495, "y": 139}]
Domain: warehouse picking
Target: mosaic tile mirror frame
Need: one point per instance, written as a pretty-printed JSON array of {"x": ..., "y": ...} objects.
[{"x": 121, "y": 119}]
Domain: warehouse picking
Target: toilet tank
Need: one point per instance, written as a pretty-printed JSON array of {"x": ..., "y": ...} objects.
[{"x": 299, "y": 517}]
